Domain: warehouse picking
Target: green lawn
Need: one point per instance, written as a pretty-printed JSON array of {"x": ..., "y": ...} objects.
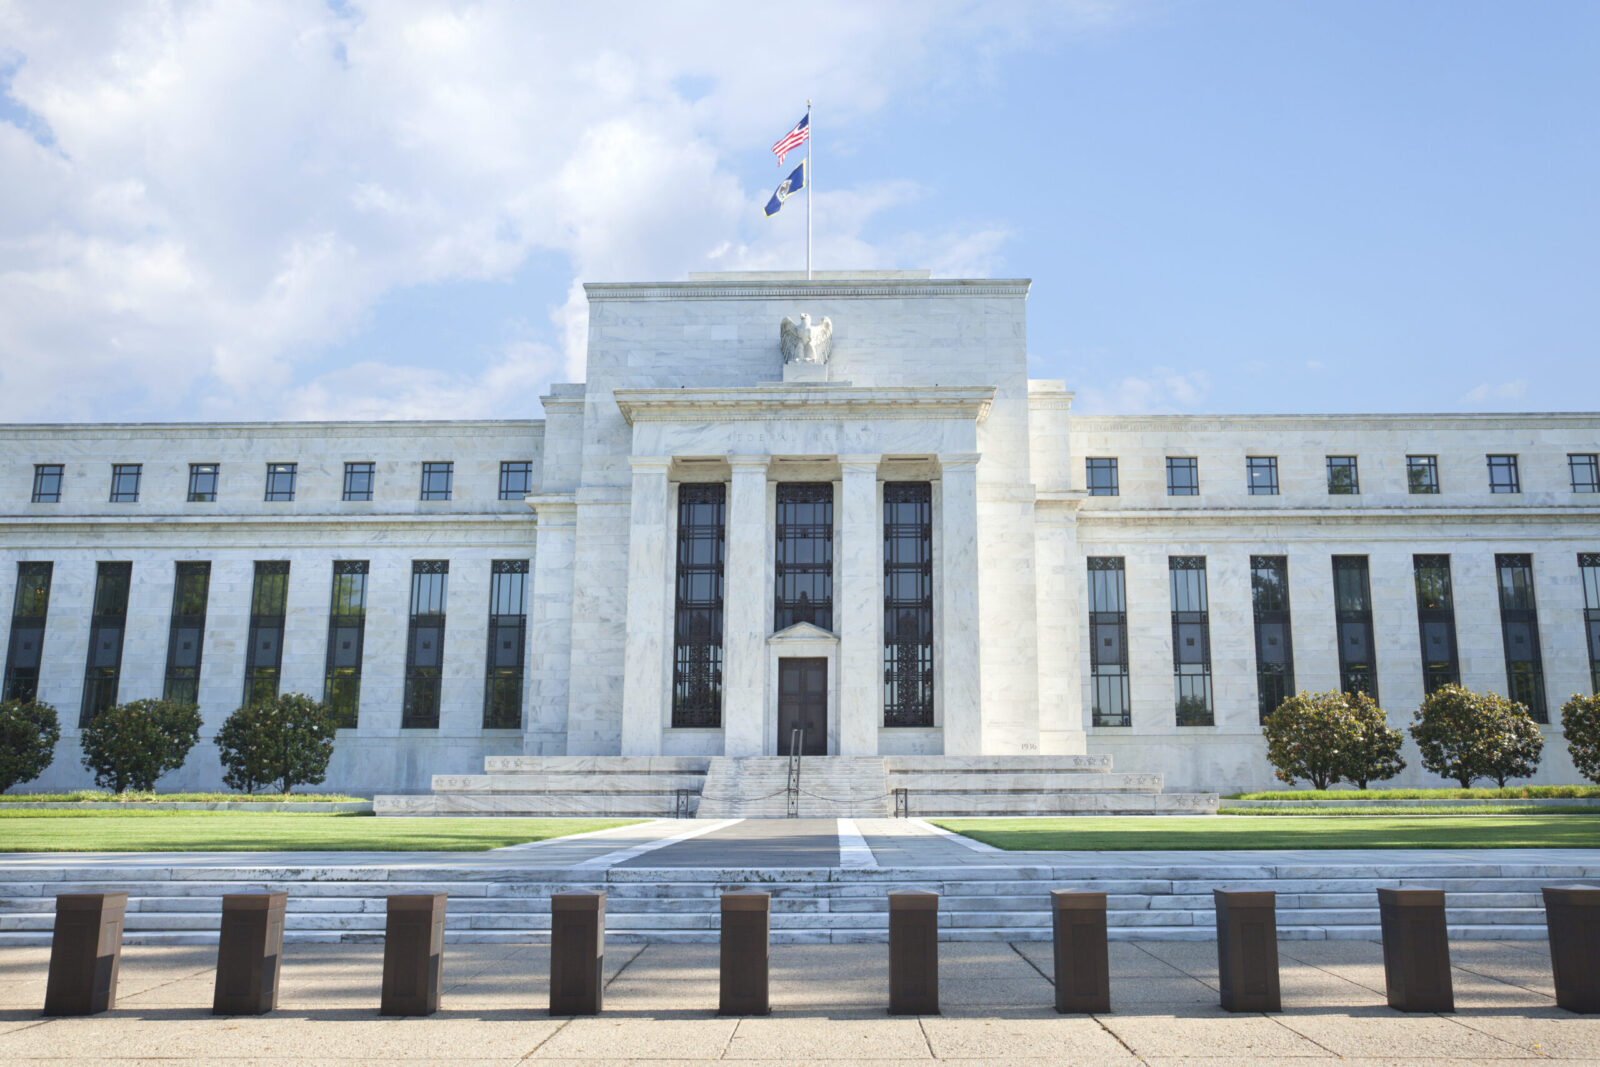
[
  {"x": 228, "y": 831},
  {"x": 1117, "y": 833},
  {"x": 136, "y": 797},
  {"x": 1510, "y": 792}
]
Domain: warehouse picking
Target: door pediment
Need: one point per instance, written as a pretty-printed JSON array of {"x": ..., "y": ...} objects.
[{"x": 802, "y": 631}]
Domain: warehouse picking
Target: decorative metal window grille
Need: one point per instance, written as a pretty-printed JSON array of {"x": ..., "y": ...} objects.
[
  {"x": 202, "y": 483},
  {"x": 1585, "y": 471},
  {"x": 1503, "y": 477},
  {"x": 1519, "y": 626},
  {"x": 1261, "y": 474},
  {"x": 1108, "y": 641},
  {"x": 516, "y": 479},
  {"x": 908, "y": 604},
  {"x": 1101, "y": 476},
  {"x": 436, "y": 479},
  {"x": 1589, "y": 569},
  {"x": 1436, "y": 619},
  {"x": 187, "y": 632},
  {"x": 125, "y": 483},
  {"x": 28, "y": 611},
  {"x": 1183, "y": 476},
  {"x": 103, "y": 667},
  {"x": 1269, "y": 598},
  {"x": 1352, "y": 603},
  {"x": 1422, "y": 475},
  {"x": 47, "y": 482},
  {"x": 697, "y": 613},
  {"x": 264, "y": 657},
  {"x": 803, "y": 574},
  {"x": 425, "y": 644},
  {"x": 1191, "y": 641},
  {"x": 347, "y": 629},
  {"x": 1343, "y": 476},
  {"x": 358, "y": 479},
  {"x": 508, "y": 628},
  {"x": 280, "y": 481}
]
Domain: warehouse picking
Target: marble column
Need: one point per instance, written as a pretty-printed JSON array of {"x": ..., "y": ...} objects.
[
  {"x": 745, "y": 610},
  {"x": 544, "y": 718},
  {"x": 858, "y": 607},
  {"x": 644, "y": 683},
  {"x": 957, "y": 611}
]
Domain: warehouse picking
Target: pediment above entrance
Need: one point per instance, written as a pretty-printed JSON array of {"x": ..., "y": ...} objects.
[{"x": 802, "y": 631}]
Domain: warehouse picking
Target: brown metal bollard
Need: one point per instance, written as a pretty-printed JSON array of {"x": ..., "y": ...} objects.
[
  {"x": 1083, "y": 962},
  {"x": 249, "y": 953},
  {"x": 1247, "y": 950},
  {"x": 1416, "y": 950},
  {"x": 745, "y": 941},
  {"x": 577, "y": 953},
  {"x": 413, "y": 954},
  {"x": 913, "y": 953},
  {"x": 84, "y": 953},
  {"x": 1572, "y": 915}
]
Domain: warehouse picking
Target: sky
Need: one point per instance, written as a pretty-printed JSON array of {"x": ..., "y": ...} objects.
[{"x": 325, "y": 209}]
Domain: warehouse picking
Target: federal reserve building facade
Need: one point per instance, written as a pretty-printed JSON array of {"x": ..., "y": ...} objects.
[{"x": 837, "y": 506}]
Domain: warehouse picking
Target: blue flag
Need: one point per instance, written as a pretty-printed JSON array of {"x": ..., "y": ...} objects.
[{"x": 791, "y": 185}]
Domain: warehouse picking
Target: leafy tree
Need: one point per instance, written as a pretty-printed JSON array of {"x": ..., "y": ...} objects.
[
  {"x": 1580, "y": 725},
  {"x": 1309, "y": 735},
  {"x": 1375, "y": 755},
  {"x": 287, "y": 740},
  {"x": 130, "y": 745},
  {"x": 1466, "y": 735},
  {"x": 29, "y": 731}
]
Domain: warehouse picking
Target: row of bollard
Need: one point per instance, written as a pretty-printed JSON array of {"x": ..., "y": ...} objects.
[{"x": 87, "y": 946}]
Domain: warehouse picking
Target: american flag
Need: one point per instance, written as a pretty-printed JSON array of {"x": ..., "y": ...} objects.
[{"x": 793, "y": 139}]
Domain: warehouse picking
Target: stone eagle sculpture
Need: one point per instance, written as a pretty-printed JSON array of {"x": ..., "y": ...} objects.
[{"x": 805, "y": 343}]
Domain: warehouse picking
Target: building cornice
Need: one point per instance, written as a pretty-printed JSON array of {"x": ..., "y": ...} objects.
[
  {"x": 51, "y": 523},
  {"x": 395, "y": 428},
  {"x": 1174, "y": 519},
  {"x": 764, "y": 403},
  {"x": 868, "y": 289},
  {"x": 1580, "y": 420}
]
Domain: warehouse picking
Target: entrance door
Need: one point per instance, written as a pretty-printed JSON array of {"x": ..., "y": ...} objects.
[{"x": 803, "y": 705}]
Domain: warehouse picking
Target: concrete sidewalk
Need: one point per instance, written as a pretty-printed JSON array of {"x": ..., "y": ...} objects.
[{"x": 828, "y": 1006}]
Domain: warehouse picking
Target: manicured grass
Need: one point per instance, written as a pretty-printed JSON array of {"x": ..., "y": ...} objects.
[
  {"x": 134, "y": 797},
  {"x": 1189, "y": 832},
  {"x": 1510, "y": 807},
  {"x": 229, "y": 831},
  {"x": 1510, "y": 792}
]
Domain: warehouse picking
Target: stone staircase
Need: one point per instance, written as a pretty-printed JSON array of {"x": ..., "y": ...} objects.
[
  {"x": 562, "y": 785},
  {"x": 756, "y": 787},
  {"x": 1034, "y": 785}
]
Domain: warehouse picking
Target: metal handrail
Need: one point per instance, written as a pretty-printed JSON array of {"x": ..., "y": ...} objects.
[{"x": 797, "y": 739}]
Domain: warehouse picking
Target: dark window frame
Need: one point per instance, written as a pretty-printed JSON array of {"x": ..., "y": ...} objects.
[
  {"x": 433, "y": 473},
  {"x": 1436, "y": 620},
  {"x": 269, "y": 604},
  {"x": 102, "y": 667},
  {"x": 510, "y": 468},
  {"x": 122, "y": 475},
  {"x": 30, "y": 611},
  {"x": 1519, "y": 619},
  {"x": 425, "y": 681},
  {"x": 1352, "y": 606},
  {"x": 1193, "y": 699},
  {"x": 191, "y": 590},
  {"x": 1588, "y": 465},
  {"x": 1189, "y": 484},
  {"x": 1272, "y": 613},
  {"x": 1108, "y": 628},
  {"x": 1266, "y": 465},
  {"x": 697, "y": 605},
  {"x": 1504, "y": 476},
  {"x": 198, "y": 493},
  {"x": 1100, "y": 476},
  {"x": 909, "y": 699},
  {"x": 42, "y": 471},
  {"x": 802, "y": 570},
  {"x": 1344, "y": 476},
  {"x": 1589, "y": 577},
  {"x": 357, "y": 469},
  {"x": 504, "y": 665},
  {"x": 280, "y": 482},
  {"x": 1425, "y": 464},
  {"x": 347, "y": 640}
]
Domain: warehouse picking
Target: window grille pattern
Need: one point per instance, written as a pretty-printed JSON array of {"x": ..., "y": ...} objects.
[
  {"x": 47, "y": 482},
  {"x": 1101, "y": 476},
  {"x": 28, "y": 611},
  {"x": 908, "y": 604},
  {"x": 1503, "y": 476},
  {"x": 1589, "y": 571},
  {"x": 1108, "y": 641},
  {"x": 425, "y": 644},
  {"x": 186, "y": 632},
  {"x": 202, "y": 483},
  {"x": 1191, "y": 641},
  {"x": 1261, "y": 475},
  {"x": 436, "y": 480},
  {"x": 1269, "y": 599},
  {"x": 1422, "y": 475},
  {"x": 1352, "y": 602},
  {"x": 269, "y": 594},
  {"x": 347, "y": 629},
  {"x": 1183, "y": 476},
  {"x": 803, "y": 573},
  {"x": 103, "y": 667},
  {"x": 697, "y": 613},
  {"x": 1343, "y": 476},
  {"x": 1519, "y": 626},
  {"x": 358, "y": 478},
  {"x": 125, "y": 483},
  {"x": 516, "y": 479},
  {"x": 508, "y": 628},
  {"x": 1585, "y": 471},
  {"x": 1436, "y": 619}
]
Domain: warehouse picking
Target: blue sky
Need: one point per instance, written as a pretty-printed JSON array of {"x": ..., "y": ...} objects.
[{"x": 294, "y": 209}]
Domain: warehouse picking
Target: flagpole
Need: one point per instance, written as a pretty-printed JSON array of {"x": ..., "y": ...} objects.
[{"x": 810, "y": 136}]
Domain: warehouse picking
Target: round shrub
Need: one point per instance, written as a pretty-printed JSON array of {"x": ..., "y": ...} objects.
[
  {"x": 1309, "y": 736},
  {"x": 1375, "y": 754},
  {"x": 130, "y": 745},
  {"x": 287, "y": 740},
  {"x": 1580, "y": 725},
  {"x": 29, "y": 731},
  {"x": 1466, "y": 735}
]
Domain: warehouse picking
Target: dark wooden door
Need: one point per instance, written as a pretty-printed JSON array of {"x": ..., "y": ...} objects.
[{"x": 803, "y": 704}]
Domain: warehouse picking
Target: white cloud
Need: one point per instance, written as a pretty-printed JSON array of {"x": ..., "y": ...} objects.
[
  {"x": 202, "y": 198},
  {"x": 1494, "y": 395},
  {"x": 1160, "y": 391}
]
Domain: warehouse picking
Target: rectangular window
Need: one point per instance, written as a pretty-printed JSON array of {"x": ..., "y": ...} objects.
[
  {"x": 1101, "y": 476},
  {"x": 1343, "y": 479},
  {"x": 1183, "y": 476},
  {"x": 1191, "y": 640},
  {"x": 1436, "y": 618},
  {"x": 1422, "y": 475},
  {"x": 1589, "y": 569},
  {"x": 1269, "y": 596},
  {"x": 28, "y": 613},
  {"x": 1519, "y": 626},
  {"x": 1352, "y": 603},
  {"x": 47, "y": 482},
  {"x": 508, "y": 628},
  {"x": 347, "y": 632},
  {"x": 1585, "y": 470},
  {"x": 280, "y": 481},
  {"x": 202, "y": 482},
  {"x": 263, "y": 658},
  {"x": 125, "y": 483},
  {"x": 425, "y": 644},
  {"x": 1261, "y": 473},
  {"x": 697, "y": 609},
  {"x": 186, "y": 633},
  {"x": 1503, "y": 475},
  {"x": 103, "y": 667},
  {"x": 803, "y": 574},
  {"x": 908, "y": 604},
  {"x": 358, "y": 481},
  {"x": 1108, "y": 641},
  {"x": 516, "y": 479},
  {"x": 436, "y": 479}
]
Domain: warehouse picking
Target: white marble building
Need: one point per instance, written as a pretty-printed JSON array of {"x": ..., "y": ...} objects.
[{"x": 677, "y": 504}]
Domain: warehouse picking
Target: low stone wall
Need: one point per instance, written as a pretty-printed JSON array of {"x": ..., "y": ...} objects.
[{"x": 304, "y": 807}]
